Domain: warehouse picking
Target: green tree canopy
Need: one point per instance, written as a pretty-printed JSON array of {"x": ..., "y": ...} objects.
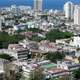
[
  {"x": 79, "y": 59},
  {"x": 55, "y": 56},
  {"x": 38, "y": 74},
  {"x": 6, "y": 39},
  {"x": 5, "y": 56},
  {"x": 77, "y": 74},
  {"x": 37, "y": 38},
  {"x": 35, "y": 30},
  {"x": 57, "y": 34}
]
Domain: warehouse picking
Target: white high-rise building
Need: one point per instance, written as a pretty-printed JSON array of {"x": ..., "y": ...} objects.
[
  {"x": 0, "y": 24},
  {"x": 77, "y": 15},
  {"x": 15, "y": 10},
  {"x": 1, "y": 21},
  {"x": 69, "y": 10},
  {"x": 38, "y": 5}
]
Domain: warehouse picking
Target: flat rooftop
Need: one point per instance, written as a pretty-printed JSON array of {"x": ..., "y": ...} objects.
[
  {"x": 48, "y": 66},
  {"x": 57, "y": 71}
]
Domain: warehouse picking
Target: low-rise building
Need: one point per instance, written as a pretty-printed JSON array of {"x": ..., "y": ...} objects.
[
  {"x": 75, "y": 41},
  {"x": 18, "y": 51},
  {"x": 58, "y": 73},
  {"x": 68, "y": 65},
  {"x": 20, "y": 27},
  {"x": 28, "y": 71},
  {"x": 48, "y": 46}
]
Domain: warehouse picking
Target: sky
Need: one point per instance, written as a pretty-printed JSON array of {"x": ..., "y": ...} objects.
[{"x": 47, "y": 4}]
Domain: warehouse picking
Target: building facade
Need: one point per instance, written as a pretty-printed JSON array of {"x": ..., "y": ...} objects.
[
  {"x": 38, "y": 5},
  {"x": 77, "y": 15},
  {"x": 69, "y": 10}
]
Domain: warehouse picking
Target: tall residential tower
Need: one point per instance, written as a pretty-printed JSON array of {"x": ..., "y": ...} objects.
[
  {"x": 77, "y": 15},
  {"x": 69, "y": 10},
  {"x": 38, "y": 5}
]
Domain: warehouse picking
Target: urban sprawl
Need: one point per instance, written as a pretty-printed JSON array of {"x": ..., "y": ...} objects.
[{"x": 38, "y": 44}]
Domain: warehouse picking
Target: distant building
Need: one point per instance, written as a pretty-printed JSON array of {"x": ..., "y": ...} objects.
[
  {"x": 20, "y": 27},
  {"x": 69, "y": 10},
  {"x": 77, "y": 15},
  {"x": 68, "y": 65},
  {"x": 38, "y": 5},
  {"x": 1, "y": 21},
  {"x": 25, "y": 9},
  {"x": 15, "y": 10},
  {"x": 75, "y": 41}
]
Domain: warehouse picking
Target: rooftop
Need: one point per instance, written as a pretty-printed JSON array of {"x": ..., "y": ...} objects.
[
  {"x": 48, "y": 66},
  {"x": 57, "y": 71}
]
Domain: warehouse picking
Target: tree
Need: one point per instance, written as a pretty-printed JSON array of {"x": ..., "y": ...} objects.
[
  {"x": 5, "y": 56},
  {"x": 38, "y": 74},
  {"x": 18, "y": 75},
  {"x": 77, "y": 74},
  {"x": 35, "y": 30},
  {"x": 57, "y": 34},
  {"x": 6, "y": 39},
  {"x": 55, "y": 56},
  {"x": 79, "y": 59},
  {"x": 37, "y": 38}
]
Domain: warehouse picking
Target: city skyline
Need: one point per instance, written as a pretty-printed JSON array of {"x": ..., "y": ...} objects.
[
  {"x": 47, "y": 4},
  {"x": 38, "y": 5}
]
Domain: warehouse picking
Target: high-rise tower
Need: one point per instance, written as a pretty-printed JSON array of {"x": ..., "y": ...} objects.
[
  {"x": 38, "y": 5},
  {"x": 77, "y": 15},
  {"x": 69, "y": 10}
]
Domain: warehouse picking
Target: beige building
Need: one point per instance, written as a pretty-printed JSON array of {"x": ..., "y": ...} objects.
[
  {"x": 68, "y": 10},
  {"x": 77, "y": 15},
  {"x": 38, "y": 5}
]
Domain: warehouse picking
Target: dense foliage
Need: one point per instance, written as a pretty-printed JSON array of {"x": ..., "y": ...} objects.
[
  {"x": 5, "y": 56},
  {"x": 77, "y": 74},
  {"x": 79, "y": 59},
  {"x": 37, "y": 74},
  {"x": 6, "y": 39},
  {"x": 37, "y": 38},
  {"x": 35, "y": 30},
  {"x": 55, "y": 56},
  {"x": 57, "y": 34}
]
